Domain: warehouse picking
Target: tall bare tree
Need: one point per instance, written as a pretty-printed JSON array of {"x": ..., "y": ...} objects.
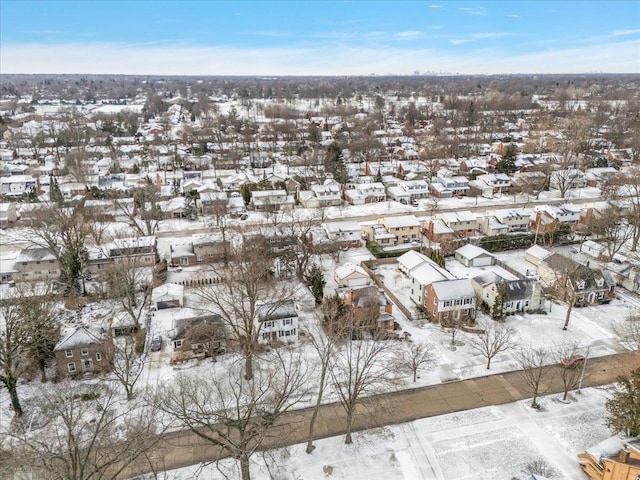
[
  {"x": 233, "y": 413},
  {"x": 612, "y": 230},
  {"x": 128, "y": 358},
  {"x": 84, "y": 435},
  {"x": 494, "y": 339},
  {"x": 358, "y": 369},
  {"x": 13, "y": 351},
  {"x": 570, "y": 375},
  {"x": 246, "y": 291},
  {"x": 532, "y": 362},
  {"x": 629, "y": 330}
]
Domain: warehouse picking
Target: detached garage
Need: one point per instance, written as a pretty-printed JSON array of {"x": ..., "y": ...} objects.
[
  {"x": 169, "y": 295},
  {"x": 352, "y": 276},
  {"x": 472, "y": 256}
]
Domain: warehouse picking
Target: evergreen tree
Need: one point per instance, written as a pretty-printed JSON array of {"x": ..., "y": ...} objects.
[
  {"x": 623, "y": 409},
  {"x": 55, "y": 194},
  {"x": 437, "y": 257},
  {"x": 316, "y": 281},
  {"x": 497, "y": 311}
]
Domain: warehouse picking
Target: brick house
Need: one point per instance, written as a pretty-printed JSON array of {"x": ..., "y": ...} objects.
[
  {"x": 370, "y": 309},
  {"x": 450, "y": 300},
  {"x": 80, "y": 351}
]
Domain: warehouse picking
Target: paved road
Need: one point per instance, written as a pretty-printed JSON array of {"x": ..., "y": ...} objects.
[{"x": 183, "y": 448}]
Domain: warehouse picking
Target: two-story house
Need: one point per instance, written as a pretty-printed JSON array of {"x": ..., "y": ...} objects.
[
  {"x": 346, "y": 234},
  {"x": 521, "y": 294},
  {"x": 516, "y": 219},
  {"x": 405, "y": 228},
  {"x": 447, "y": 187},
  {"x": 81, "y": 350},
  {"x": 327, "y": 195},
  {"x": 492, "y": 183},
  {"x": 35, "y": 264},
  {"x": 463, "y": 222},
  {"x": 450, "y": 301},
  {"x": 546, "y": 218},
  {"x": 366, "y": 193},
  {"x": 278, "y": 322},
  {"x": 271, "y": 200},
  {"x": 370, "y": 310},
  {"x": 572, "y": 280}
]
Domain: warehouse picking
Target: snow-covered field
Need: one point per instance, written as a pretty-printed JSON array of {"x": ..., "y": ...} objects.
[{"x": 491, "y": 443}]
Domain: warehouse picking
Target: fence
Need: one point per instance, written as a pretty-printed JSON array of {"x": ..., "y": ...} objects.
[{"x": 378, "y": 281}]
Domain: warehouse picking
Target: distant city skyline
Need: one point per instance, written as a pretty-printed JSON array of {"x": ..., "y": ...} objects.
[{"x": 319, "y": 38}]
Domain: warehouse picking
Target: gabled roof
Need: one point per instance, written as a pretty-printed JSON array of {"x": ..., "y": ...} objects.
[
  {"x": 472, "y": 251},
  {"x": 79, "y": 337},
  {"x": 452, "y": 289},
  {"x": 343, "y": 271}
]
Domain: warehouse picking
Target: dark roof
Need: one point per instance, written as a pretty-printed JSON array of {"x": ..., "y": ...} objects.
[
  {"x": 183, "y": 324},
  {"x": 577, "y": 272}
]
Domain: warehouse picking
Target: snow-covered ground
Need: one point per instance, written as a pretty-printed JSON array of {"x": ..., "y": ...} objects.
[{"x": 491, "y": 443}]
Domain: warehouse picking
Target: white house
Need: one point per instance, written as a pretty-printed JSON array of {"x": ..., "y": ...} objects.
[
  {"x": 593, "y": 249},
  {"x": 278, "y": 322},
  {"x": 8, "y": 214},
  {"x": 346, "y": 233}
]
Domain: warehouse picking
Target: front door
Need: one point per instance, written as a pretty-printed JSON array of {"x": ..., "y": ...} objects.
[
  {"x": 592, "y": 297},
  {"x": 87, "y": 365}
]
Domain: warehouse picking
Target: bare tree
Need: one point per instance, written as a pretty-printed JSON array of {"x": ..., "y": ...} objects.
[
  {"x": 570, "y": 375},
  {"x": 247, "y": 290},
  {"x": 611, "y": 230},
  {"x": 532, "y": 363},
  {"x": 131, "y": 285},
  {"x": 234, "y": 413},
  {"x": 128, "y": 357},
  {"x": 494, "y": 339},
  {"x": 629, "y": 330},
  {"x": 324, "y": 343},
  {"x": 411, "y": 357},
  {"x": 626, "y": 187},
  {"x": 84, "y": 435},
  {"x": 144, "y": 206},
  {"x": 358, "y": 369},
  {"x": 13, "y": 351},
  {"x": 62, "y": 231}
]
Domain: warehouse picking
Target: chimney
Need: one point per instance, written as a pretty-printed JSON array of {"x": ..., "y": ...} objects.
[{"x": 624, "y": 454}]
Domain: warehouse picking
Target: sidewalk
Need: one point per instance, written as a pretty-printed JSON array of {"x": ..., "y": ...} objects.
[{"x": 181, "y": 449}]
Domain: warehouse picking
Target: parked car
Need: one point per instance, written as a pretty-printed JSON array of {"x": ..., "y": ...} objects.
[
  {"x": 574, "y": 361},
  {"x": 415, "y": 203},
  {"x": 156, "y": 343}
]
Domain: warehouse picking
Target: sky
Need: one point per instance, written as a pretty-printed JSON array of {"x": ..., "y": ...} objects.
[{"x": 352, "y": 37}]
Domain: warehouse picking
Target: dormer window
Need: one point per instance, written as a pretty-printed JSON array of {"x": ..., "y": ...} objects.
[
  {"x": 581, "y": 284},
  {"x": 600, "y": 282}
]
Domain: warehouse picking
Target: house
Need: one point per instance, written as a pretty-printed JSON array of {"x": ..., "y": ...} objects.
[
  {"x": 613, "y": 459},
  {"x": 35, "y": 264},
  {"x": 521, "y": 294},
  {"x": 564, "y": 180},
  {"x": 463, "y": 222},
  {"x": 454, "y": 186},
  {"x": 17, "y": 185},
  {"x": 593, "y": 249},
  {"x": 437, "y": 231},
  {"x": 346, "y": 234},
  {"x": 209, "y": 248},
  {"x": 81, "y": 350},
  {"x": 473, "y": 256},
  {"x": 203, "y": 335},
  {"x": 213, "y": 203},
  {"x": 449, "y": 301},
  {"x": 278, "y": 322},
  {"x": 8, "y": 214},
  {"x": 378, "y": 233},
  {"x": 490, "y": 226},
  {"x": 547, "y": 218},
  {"x": 366, "y": 193},
  {"x": 142, "y": 251},
  {"x": 415, "y": 188},
  {"x": 329, "y": 194},
  {"x": 370, "y": 309},
  {"x": 181, "y": 255},
  {"x": 536, "y": 254},
  {"x": 271, "y": 200},
  {"x": 516, "y": 219},
  {"x": 351, "y": 276},
  {"x": 422, "y": 271},
  {"x": 584, "y": 284},
  {"x": 168, "y": 295},
  {"x": 492, "y": 183},
  {"x": 405, "y": 228}
]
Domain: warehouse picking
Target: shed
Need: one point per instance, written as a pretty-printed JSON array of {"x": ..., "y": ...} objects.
[
  {"x": 536, "y": 254},
  {"x": 169, "y": 295}
]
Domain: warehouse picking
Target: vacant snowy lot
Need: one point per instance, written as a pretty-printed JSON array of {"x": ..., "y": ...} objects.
[{"x": 493, "y": 443}]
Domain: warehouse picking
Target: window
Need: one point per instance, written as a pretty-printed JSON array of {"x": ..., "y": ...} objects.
[
  {"x": 268, "y": 324},
  {"x": 177, "y": 344},
  {"x": 447, "y": 303},
  {"x": 526, "y": 303},
  {"x": 71, "y": 366},
  {"x": 184, "y": 261},
  {"x": 85, "y": 351},
  {"x": 98, "y": 357},
  {"x": 458, "y": 301},
  {"x": 467, "y": 301},
  {"x": 265, "y": 336},
  {"x": 287, "y": 321},
  {"x": 68, "y": 353}
]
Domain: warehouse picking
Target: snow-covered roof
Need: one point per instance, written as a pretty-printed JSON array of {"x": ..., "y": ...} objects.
[
  {"x": 79, "y": 337},
  {"x": 538, "y": 252},
  {"x": 343, "y": 271},
  {"x": 453, "y": 289},
  {"x": 472, "y": 251},
  {"x": 168, "y": 289}
]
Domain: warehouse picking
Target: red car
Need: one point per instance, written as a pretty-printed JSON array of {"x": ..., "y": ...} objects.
[{"x": 573, "y": 361}]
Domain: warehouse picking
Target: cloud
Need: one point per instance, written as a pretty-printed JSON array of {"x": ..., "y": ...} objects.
[
  {"x": 512, "y": 15},
  {"x": 484, "y": 35},
  {"x": 474, "y": 11},
  {"x": 185, "y": 59},
  {"x": 435, "y": 6},
  {"x": 410, "y": 34},
  {"x": 619, "y": 33},
  {"x": 459, "y": 41}
]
